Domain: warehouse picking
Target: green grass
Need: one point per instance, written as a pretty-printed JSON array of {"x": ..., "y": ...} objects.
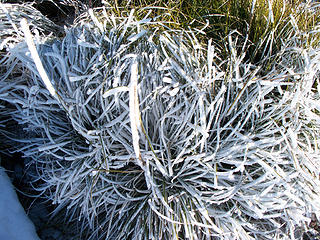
[{"x": 264, "y": 22}]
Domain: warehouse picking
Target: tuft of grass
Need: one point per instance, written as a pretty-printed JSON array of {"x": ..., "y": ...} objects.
[
  {"x": 264, "y": 22},
  {"x": 141, "y": 131},
  {"x": 138, "y": 129}
]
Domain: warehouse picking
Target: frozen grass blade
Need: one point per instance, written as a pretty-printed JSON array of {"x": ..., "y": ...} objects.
[
  {"x": 134, "y": 110},
  {"x": 36, "y": 58}
]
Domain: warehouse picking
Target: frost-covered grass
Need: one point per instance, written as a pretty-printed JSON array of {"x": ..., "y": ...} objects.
[
  {"x": 140, "y": 131},
  {"x": 264, "y": 22}
]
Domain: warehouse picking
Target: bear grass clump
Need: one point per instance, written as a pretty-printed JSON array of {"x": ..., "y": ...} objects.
[{"x": 139, "y": 131}]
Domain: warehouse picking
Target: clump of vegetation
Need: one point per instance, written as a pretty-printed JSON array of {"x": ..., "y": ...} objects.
[
  {"x": 140, "y": 130},
  {"x": 264, "y": 22}
]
